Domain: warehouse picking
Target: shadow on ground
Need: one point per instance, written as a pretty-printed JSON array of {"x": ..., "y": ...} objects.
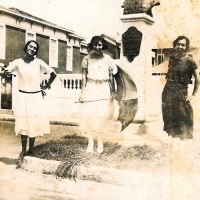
[{"x": 8, "y": 161}]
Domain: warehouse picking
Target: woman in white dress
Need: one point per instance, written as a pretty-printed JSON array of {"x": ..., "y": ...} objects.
[
  {"x": 30, "y": 119},
  {"x": 97, "y": 92}
]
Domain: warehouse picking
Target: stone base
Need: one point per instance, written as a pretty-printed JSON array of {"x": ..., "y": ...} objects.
[
  {"x": 141, "y": 133},
  {"x": 91, "y": 173}
]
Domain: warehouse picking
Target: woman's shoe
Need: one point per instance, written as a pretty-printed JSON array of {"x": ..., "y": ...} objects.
[
  {"x": 20, "y": 159},
  {"x": 100, "y": 147},
  {"x": 30, "y": 153},
  {"x": 90, "y": 147}
]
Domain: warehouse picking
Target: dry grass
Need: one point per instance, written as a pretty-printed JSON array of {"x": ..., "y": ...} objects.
[{"x": 73, "y": 147}]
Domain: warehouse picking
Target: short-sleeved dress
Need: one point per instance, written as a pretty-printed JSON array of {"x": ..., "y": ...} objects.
[
  {"x": 29, "y": 110},
  {"x": 97, "y": 109},
  {"x": 177, "y": 111}
]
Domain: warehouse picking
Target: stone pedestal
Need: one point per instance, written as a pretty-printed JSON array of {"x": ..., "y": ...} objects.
[{"x": 140, "y": 69}]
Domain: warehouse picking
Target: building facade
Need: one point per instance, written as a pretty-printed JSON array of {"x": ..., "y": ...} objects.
[{"x": 60, "y": 48}]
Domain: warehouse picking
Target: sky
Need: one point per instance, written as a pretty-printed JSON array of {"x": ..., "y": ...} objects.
[
  {"x": 94, "y": 17},
  {"x": 85, "y": 17}
]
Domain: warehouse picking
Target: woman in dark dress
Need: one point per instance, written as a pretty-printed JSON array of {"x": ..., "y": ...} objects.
[{"x": 176, "y": 108}]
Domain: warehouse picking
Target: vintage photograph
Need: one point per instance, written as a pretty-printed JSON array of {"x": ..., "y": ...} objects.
[{"x": 99, "y": 99}]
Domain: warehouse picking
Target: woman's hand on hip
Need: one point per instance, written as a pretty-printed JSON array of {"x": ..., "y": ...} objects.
[
  {"x": 2, "y": 65},
  {"x": 190, "y": 98},
  {"x": 81, "y": 99},
  {"x": 44, "y": 87},
  {"x": 115, "y": 95}
]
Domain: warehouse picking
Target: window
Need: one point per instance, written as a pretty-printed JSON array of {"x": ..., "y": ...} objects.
[
  {"x": 69, "y": 58},
  {"x": 153, "y": 59},
  {"x": 160, "y": 58},
  {"x": 30, "y": 36},
  {"x": 2, "y": 41},
  {"x": 53, "y": 55}
]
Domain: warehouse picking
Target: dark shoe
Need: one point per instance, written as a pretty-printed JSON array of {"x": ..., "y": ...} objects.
[
  {"x": 30, "y": 153},
  {"x": 20, "y": 159}
]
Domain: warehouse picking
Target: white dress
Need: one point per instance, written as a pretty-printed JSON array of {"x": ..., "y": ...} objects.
[
  {"x": 30, "y": 114},
  {"x": 97, "y": 109}
]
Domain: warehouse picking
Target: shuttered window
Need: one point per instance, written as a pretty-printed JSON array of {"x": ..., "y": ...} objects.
[
  {"x": 53, "y": 54},
  {"x": 43, "y": 52},
  {"x": 15, "y": 41},
  {"x": 2, "y": 42},
  {"x": 62, "y": 54},
  {"x": 69, "y": 58}
]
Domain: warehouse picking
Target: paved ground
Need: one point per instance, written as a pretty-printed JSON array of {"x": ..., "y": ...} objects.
[
  {"x": 179, "y": 181},
  {"x": 21, "y": 185}
]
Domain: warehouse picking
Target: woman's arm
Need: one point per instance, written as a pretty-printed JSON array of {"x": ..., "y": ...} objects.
[
  {"x": 196, "y": 82},
  {"x": 113, "y": 92},
  {"x": 196, "y": 85},
  {"x": 4, "y": 73},
  {"x": 50, "y": 81},
  {"x": 111, "y": 80},
  {"x": 84, "y": 81}
]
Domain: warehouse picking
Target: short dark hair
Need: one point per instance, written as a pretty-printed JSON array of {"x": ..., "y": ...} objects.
[
  {"x": 182, "y": 38},
  {"x": 95, "y": 40},
  {"x": 26, "y": 45}
]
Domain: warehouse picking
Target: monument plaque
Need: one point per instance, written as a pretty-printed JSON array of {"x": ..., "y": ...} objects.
[{"x": 131, "y": 41}]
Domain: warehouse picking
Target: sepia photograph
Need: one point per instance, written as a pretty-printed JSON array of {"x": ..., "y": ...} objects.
[{"x": 99, "y": 99}]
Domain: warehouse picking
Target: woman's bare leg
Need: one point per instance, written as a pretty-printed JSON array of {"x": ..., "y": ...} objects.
[
  {"x": 100, "y": 145},
  {"x": 90, "y": 144}
]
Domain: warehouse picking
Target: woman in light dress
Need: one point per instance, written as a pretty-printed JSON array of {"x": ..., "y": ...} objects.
[
  {"x": 97, "y": 93},
  {"x": 30, "y": 119}
]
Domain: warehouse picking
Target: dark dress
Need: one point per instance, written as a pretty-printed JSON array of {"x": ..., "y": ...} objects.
[{"x": 176, "y": 110}]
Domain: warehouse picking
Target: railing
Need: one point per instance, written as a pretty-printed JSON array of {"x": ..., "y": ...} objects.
[
  {"x": 65, "y": 85},
  {"x": 71, "y": 81},
  {"x": 62, "y": 97}
]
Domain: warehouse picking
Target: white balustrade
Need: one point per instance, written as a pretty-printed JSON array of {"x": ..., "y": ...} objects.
[{"x": 65, "y": 85}]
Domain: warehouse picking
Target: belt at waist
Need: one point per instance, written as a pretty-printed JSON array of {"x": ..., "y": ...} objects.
[
  {"x": 42, "y": 91},
  {"x": 176, "y": 85},
  {"x": 98, "y": 81}
]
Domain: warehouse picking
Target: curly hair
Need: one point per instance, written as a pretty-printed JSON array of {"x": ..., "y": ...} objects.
[
  {"x": 182, "y": 38},
  {"x": 95, "y": 40},
  {"x": 26, "y": 45}
]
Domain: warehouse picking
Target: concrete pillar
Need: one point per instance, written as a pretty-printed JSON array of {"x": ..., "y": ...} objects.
[{"x": 140, "y": 69}]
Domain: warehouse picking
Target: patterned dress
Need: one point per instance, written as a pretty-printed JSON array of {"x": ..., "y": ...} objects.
[
  {"x": 97, "y": 109},
  {"x": 177, "y": 111},
  {"x": 29, "y": 109}
]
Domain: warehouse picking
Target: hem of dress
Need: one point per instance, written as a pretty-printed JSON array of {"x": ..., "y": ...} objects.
[
  {"x": 91, "y": 100},
  {"x": 18, "y": 133}
]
